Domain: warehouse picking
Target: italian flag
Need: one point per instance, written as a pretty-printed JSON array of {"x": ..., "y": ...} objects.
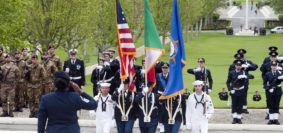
[{"x": 153, "y": 46}]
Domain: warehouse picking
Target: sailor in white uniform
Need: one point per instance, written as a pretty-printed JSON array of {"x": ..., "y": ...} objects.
[
  {"x": 199, "y": 109},
  {"x": 104, "y": 114}
]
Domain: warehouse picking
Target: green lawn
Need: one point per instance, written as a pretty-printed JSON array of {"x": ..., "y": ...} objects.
[{"x": 218, "y": 50}]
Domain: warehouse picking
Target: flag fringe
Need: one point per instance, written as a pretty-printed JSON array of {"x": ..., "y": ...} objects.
[{"x": 172, "y": 95}]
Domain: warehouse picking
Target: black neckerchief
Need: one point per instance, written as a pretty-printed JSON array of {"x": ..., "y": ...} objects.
[
  {"x": 200, "y": 102},
  {"x": 103, "y": 105}
]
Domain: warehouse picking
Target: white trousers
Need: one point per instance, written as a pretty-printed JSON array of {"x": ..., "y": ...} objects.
[
  {"x": 200, "y": 126},
  {"x": 103, "y": 126}
]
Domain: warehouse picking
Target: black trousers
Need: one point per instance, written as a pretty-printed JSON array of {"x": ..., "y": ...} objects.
[
  {"x": 273, "y": 102},
  {"x": 237, "y": 102}
]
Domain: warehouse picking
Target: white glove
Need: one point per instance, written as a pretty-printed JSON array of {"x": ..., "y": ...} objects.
[
  {"x": 145, "y": 90},
  {"x": 197, "y": 69},
  {"x": 82, "y": 87},
  {"x": 120, "y": 88},
  {"x": 209, "y": 90},
  {"x": 232, "y": 91},
  {"x": 279, "y": 68},
  {"x": 245, "y": 65},
  {"x": 99, "y": 67},
  {"x": 99, "y": 82},
  {"x": 280, "y": 77},
  {"x": 189, "y": 125},
  {"x": 67, "y": 70},
  {"x": 92, "y": 113},
  {"x": 271, "y": 90},
  {"x": 106, "y": 63},
  {"x": 279, "y": 58},
  {"x": 143, "y": 71},
  {"x": 242, "y": 76},
  {"x": 208, "y": 116}
]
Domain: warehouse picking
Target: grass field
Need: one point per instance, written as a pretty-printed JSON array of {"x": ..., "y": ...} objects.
[{"x": 218, "y": 50}]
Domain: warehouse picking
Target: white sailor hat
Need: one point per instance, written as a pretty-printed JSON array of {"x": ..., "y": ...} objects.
[
  {"x": 73, "y": 51},
  {"x": 198, "y": 82},
  {"x": 104, "y": 84}
]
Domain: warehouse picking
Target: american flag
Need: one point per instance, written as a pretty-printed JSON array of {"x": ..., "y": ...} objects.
[{"x": 127, "y": 50}]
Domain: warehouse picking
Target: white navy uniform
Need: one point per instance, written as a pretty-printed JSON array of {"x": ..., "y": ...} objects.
[
  {"x": 199, "y": 109},
  {"x": 104, "y": 115}
]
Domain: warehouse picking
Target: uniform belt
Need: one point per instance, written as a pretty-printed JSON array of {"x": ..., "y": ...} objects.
[
  {"x": 76, "y": 78},
  {"x": 240, "y": 88}
]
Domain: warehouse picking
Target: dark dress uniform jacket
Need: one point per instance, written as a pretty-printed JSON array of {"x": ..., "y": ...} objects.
[
  {"x": 272, "y": 82},
  {"x": 76, "y": 70},
  {"x": 267, "y": 68},
  {"x": 180, "y": 116},
  {"x": 139, "y": 78},
  {"x": 200, "y": 75},
  {"x": 160, "y": 80},
  {"x": 154, "y": 114},
  {"x": 234, "y": 82},
  {"x": 60, "y": 108},
  {"x": 128, "y": 100}
]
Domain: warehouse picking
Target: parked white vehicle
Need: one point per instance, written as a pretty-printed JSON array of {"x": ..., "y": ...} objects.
[{"x": 277, "y": 29}]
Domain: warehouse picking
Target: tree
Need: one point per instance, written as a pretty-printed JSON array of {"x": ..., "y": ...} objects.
[
  {"x": 58, "y": 23},
  {"x": 11, "y": 24},
  {"x": 162, "y": 11},
  {"x": 104, "y": 34},
  {"x": 277, "y": 5}
]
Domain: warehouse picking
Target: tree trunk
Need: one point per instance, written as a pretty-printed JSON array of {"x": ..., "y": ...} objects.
[
  {"x": 187, "y": 28},
  {"x": 196, "y": 29},
  {"x": 206, "y": 21},
  {"x": 200, "y": 26}
]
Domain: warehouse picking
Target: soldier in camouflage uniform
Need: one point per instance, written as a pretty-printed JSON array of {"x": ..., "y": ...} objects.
[
  {"x": 26, "y": 58},
  {"x": 35, "y": 74},
  {"x": 25, "y": 55},
  {"x": 2, "y": 62},
  {"x": 50, "y": 69},
  {"x": 10, "y": 74},
  {"x": 54, "y": 58},
  {"x": 2, "y": 59},
  {"x": 21, "y": 86}
]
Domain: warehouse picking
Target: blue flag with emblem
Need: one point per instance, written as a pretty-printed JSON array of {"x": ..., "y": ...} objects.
[{"x": 175, "y": 85}]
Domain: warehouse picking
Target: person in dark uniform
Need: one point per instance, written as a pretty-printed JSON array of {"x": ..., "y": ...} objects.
[
  {"x": 158, "y": 67},
  {"x": 173, "y": 114},
  {"x": 75, "y": 68},
  {"x": 203, "y": 74},
  {"x": 272, "y": 82},
  {"x": 236, "y": 83},
  {"x": 247, "y": 66},
  {"x": 58, "y": 110},
  {"x": 265, "y": 68},
  {"x": 140, "y": 76},
  {"x": 125, "y": 109},
  {"x": 148, "y": 109},
  {"x": 114, "y": 63},
  {"x": 98, "y": 74},
  {"x": 114, "y": 73},
  {"x": 161, "y": 83},
  {"x": 271, "y": 49},
  {"x": 162, "y": 79}
]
